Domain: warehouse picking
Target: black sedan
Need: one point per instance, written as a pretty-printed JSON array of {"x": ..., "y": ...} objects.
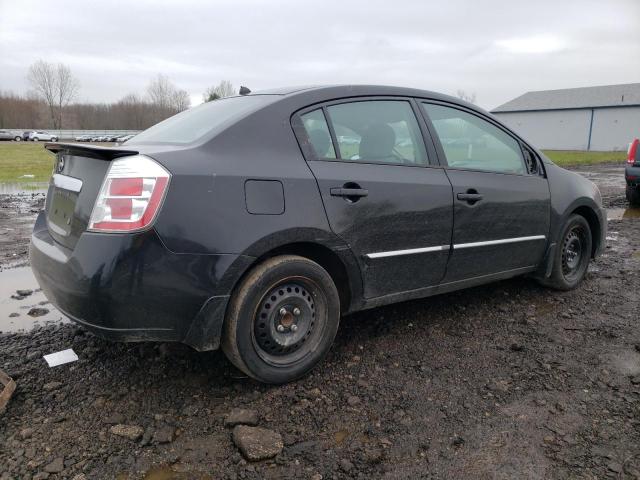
[{"x": 254, "y": 222}]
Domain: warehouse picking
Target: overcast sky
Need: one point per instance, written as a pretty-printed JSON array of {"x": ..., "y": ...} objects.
[{"x": 495, "y": 49}]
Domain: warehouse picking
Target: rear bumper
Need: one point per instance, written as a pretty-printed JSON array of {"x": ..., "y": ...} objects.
[
  {"x": 632, "y": 176},
  {"x": 130, "y": 287}
]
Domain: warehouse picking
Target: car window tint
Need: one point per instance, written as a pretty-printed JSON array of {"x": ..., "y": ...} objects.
[
  {"x": 204, "y": 120},
  {"x": 318, "y": 134},
  {"x": 378, "y": 131},
  {"x": 471, "y": 142}
]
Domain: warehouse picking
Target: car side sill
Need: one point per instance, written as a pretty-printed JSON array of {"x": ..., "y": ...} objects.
[{"x": 444, "y": 287}]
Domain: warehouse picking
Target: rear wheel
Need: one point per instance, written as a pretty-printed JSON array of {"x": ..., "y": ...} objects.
[
  {"x": 282, "y": 319},
  {"x": 633, "y": 195},
  {"x": 35, "y": 139},
  {"x": 18, "y": 139},
  {"x": 572, "y": 256},
  {"x": 54, "y": 139}
]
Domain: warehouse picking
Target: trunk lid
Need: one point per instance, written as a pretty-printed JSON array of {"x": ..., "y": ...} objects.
[{"x": 77, "y": 177}]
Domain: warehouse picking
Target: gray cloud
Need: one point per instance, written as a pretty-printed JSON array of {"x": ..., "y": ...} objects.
[{"x": 497, "y": 49}]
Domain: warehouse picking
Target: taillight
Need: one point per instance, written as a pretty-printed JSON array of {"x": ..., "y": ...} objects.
[
  {"x": 633, "y": 151},
  {"x": 131, "y": 195}
]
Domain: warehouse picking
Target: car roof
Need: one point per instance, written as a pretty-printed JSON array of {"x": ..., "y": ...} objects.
[{"x": 318, "y": 93}]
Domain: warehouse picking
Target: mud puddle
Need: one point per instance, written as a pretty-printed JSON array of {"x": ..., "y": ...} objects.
[
  {"x": 15, "y": 309},
  {"x": 623, "y": 213},
  {"x": 604, "y": 176}
]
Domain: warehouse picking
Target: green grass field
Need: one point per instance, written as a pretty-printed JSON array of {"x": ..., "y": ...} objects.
[
  {"x": 566, "y": 158},
  {"x": 27, "y": 158},
  {"x": 24, "y": 158}
]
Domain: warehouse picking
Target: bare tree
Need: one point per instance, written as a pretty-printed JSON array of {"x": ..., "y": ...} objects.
[
  {"x": 56, "y": 85},
  {"x": 160, "y": 92},
  {"x": 67, "y": 89},
  {"x": 166, "y": 98},
  {"x": 467, "y": 97},
  {"x": 223, "y": 89},
  {"x": 181, "y": 100}
]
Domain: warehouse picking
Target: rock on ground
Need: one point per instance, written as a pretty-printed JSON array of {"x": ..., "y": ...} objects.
[
  {"x": 131, "y": 432},
  {"x": 257, "y": 443},
  {"x": 241, "y": 416}
]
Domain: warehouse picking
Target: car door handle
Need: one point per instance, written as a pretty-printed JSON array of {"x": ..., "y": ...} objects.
[
  {"x": 352, "y": 194},
  {"x": 470, "y": 197}
]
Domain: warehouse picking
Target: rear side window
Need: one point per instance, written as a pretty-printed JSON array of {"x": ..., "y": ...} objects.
[
  {"x": 205, "y": 120},
  {"x": 315, "y": 125},
  {"x": 378, "y": 131},
  {"x": 471, "y": 142}
]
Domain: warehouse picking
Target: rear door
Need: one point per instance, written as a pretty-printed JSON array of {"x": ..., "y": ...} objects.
[
  {"x": 500, "y": 195},
  {"x": 381, "y": 192}
]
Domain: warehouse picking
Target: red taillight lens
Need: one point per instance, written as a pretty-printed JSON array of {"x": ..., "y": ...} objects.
[
  {"x": 633, "y": 151},
  {"x": 130, "y": 196},
  {"x": 126, "y": 186}
]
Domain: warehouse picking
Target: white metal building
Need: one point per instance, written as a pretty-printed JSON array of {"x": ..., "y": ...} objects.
[{"x": 602, "y": 118}]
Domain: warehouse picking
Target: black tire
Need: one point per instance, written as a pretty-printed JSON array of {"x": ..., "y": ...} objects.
[
  {"x": 35, "y": 139},
  {"x": 633, "y": 195},
  {"x": 54, "y": 139},
  {"x": 573, "y": 253},
  {"x": 267, "y": 300},
  {"x": 17, "y": 138}
]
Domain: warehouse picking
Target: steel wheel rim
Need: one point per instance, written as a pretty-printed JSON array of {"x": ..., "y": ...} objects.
[
  {"x": 300, "y": 332},
  {"x": 573, "y": 253}
]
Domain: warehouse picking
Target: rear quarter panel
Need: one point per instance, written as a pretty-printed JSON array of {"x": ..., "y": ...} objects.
[{"x": 205, "y": 210}]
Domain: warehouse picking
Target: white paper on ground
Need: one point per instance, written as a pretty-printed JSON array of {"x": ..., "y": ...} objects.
[{"x": 60, "y": 358}]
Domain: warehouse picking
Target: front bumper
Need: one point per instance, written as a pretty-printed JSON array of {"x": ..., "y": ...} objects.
[{"x": 130, "y": 287}]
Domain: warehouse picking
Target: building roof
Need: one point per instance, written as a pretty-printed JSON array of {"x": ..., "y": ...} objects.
[{"x": 570, "y": 98}]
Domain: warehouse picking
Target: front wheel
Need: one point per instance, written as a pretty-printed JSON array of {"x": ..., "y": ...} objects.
[
  {"x": 35, "y": 139},
  {"x": 633, "y": 195},
  {"x": 572, "y": 255},
  {"x": 282, "y": 319},
  {"x": 54, "y": 139}
]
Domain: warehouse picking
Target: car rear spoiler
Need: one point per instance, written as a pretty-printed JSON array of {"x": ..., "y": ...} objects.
[{"x": 93, "y": 151}]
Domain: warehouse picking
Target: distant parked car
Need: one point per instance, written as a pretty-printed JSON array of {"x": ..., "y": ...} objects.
[
  {"x": 83, "y": 138},
  {"x": 632, "y": 173},
  {"x": 124, "y": 138},
  {"x": 40, "y": 135},
  {"x": 25, "y": 135},
  {"x": 7, "y": 135}
]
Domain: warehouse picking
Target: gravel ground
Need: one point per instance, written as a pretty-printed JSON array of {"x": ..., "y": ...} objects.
[{"x": 509, "y": 380}]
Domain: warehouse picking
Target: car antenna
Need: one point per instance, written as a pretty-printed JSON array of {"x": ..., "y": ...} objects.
[{"x": 244, "y": 90}]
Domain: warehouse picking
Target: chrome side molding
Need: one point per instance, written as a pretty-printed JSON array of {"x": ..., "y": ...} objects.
[
  {"x": 411, "y": 251},
  {"x": 501, "y": 241},
  {"x": 457, "y": 246}
]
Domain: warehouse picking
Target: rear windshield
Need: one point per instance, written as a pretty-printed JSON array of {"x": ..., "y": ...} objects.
[{"x": 204, "y": 120}]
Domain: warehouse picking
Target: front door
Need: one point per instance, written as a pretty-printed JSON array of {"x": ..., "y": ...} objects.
[
  {"x": 381, "y": 194},
  {"x": 501, "y": 201}
]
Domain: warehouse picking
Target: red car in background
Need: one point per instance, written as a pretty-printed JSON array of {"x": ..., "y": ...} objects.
[{"x": 632, "y": 173}]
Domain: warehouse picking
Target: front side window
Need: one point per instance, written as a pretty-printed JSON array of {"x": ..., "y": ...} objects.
[
  {"x": 378, "y": 131},
  {"x": 315, "y": 125},
  {"x": 471, "y": 142}
]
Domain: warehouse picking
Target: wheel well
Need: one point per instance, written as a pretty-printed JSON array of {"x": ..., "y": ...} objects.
[
  {"x": 324, "y": 257},
  {"x": 594, "y": 225}
]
